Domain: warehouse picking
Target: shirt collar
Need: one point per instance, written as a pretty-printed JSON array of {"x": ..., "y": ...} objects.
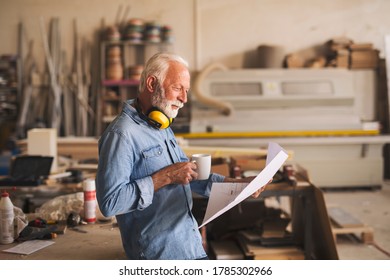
[{"x": 131, "y": 111}]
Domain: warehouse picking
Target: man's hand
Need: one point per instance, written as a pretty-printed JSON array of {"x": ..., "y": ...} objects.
[
  {"x": 177, "y": 173},
  {"x": 257, "y": 193}
]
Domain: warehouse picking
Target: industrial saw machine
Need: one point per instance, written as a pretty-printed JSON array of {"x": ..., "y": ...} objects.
[{"x": 327, "y": 117}]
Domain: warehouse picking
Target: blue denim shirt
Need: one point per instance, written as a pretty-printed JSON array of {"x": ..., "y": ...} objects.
[{"x": 153, "y": 225}]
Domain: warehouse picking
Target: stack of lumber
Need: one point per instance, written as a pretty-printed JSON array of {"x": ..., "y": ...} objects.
[
  {"x": 226, "y": 250},
  {"x": 363, "y": 56},
  {"x": 344, "y": 223},
  {"x": 256, "y": 250},
  {"x": 340, "y": 46},
  {"x": 273, "y": 242}
]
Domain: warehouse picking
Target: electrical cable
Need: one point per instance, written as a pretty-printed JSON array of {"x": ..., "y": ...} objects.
[{"x": 380, "y": 248}]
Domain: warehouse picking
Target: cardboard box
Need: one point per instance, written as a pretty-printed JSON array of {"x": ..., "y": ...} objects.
[
  {"x": 43, "y": 142},
  {"x": 220, "y": 166},
  {"x": 248, "y": 162}
]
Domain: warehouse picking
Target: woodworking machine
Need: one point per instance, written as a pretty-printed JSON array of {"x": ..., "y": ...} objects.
[{"x": 327, "y": 117}]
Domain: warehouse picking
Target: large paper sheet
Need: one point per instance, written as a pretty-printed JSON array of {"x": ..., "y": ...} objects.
[
  {"x": 28, "y": 247},
  {"x": 224, "y": 196}
]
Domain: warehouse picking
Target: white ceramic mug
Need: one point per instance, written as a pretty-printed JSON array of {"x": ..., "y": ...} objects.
[{"x": 203, "y": 165}]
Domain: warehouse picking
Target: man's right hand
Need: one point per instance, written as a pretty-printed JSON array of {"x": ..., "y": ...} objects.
[{"x": 177, "y": 173}]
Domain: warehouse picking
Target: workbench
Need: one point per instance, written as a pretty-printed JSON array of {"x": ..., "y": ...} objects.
[
  {"x": 310, "y": 225},
  {"x": 310, "y": 222},
  {"x": 101, "y": 241}
]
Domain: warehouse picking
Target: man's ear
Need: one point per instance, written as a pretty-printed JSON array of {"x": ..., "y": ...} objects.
[{"x": 151, "y": 83}]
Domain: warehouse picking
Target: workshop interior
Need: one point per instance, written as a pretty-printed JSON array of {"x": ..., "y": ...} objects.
[{"x": 310, "y": 76}]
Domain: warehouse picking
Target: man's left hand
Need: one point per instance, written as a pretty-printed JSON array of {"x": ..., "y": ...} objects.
[{"x": 257, "y": 193}]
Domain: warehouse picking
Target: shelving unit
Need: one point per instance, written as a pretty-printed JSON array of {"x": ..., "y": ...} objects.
[
  {"x": 120, "y": 84},
  {"x": 9, "y": 88},
  {"x": 9, "y": 94}
]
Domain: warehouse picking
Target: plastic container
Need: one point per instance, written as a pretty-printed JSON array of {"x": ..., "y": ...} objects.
[
  {"x": 89, "y": 200},
  {"x": 7, "y": 216}
]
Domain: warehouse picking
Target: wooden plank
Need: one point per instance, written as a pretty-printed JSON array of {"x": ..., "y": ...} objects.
[
  {"x": 226, "y": 250},
  {"x": 342, "y": 218},
  {"x": 344, "y": 223},
  {"x": 222, "y": 151},
  {"x": 294, "y": 254},
  {"x": 364, "y": 233},
  {"x": 259, "y": 252}
]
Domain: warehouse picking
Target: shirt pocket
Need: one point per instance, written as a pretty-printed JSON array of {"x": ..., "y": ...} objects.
[
  {"x": 178, "y": 155},
  {"x": 154, "y": 159}
]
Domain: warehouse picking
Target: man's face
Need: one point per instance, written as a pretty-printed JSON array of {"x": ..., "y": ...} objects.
[{"x": 172, "y": 95}]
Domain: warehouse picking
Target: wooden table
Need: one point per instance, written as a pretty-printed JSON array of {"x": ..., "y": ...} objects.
[{"x": 101, "y": 242}]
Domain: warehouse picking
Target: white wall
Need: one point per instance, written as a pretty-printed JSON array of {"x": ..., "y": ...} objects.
[
  {"x": 231, "y": 27},
  {"x": 209, "y": 30},
  {"x": 90, "y": 16}
]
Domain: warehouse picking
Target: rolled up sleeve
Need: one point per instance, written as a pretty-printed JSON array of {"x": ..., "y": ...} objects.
[
  {"x": 146, "y": 191},
  {"x": 203, "y": 187}
]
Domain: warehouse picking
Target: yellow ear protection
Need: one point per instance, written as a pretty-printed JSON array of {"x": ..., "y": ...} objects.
[
  {"x": 158, "y": 119},
  {"x": 155, "y": 117}
]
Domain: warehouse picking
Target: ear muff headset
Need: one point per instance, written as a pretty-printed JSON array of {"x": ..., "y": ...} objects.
[
  {"x": 158, "y": 119},
  {"x": 155, "y": 117}
]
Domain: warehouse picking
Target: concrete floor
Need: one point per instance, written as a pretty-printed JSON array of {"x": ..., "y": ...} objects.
[{"x": 372, "y": 208}]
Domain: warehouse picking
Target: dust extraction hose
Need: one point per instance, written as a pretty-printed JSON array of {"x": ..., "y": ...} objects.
[{"x": 225, "y": 107}]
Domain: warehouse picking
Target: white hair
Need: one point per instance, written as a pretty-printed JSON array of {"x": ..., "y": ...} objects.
[{"x": 158, "y": 66}]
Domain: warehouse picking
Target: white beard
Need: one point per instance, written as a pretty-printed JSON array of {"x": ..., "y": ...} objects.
[{"x": 159, "y": 101}]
